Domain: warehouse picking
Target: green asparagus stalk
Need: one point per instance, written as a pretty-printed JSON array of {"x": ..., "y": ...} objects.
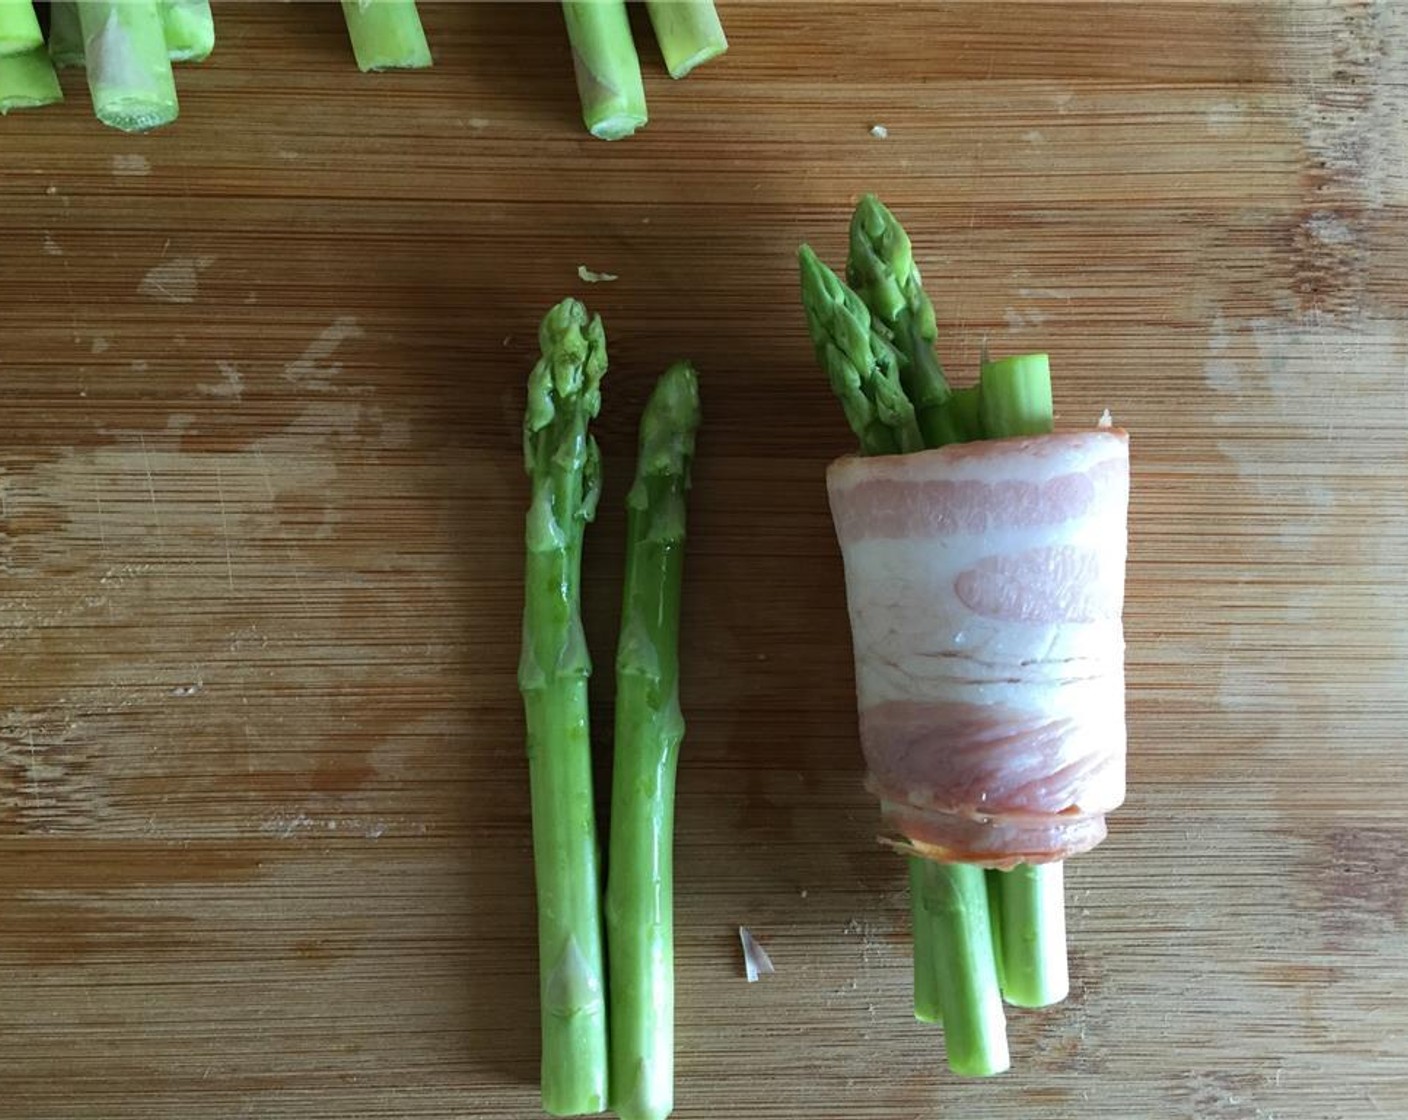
[
  {"x": 189, "y": 28},
  {"x": 649, "y": 730},
  {"x": 1031, "y": 924},
  {"x": 129, "y": 71},
  {"x": 608, "y": 70},
  {"x": 927, "y": 1007},
  {"x": 1015, "y": 400},
  {"x": 65, "y": 36},
  {"x": 956, "y": 968},
  {"x": 860, "y": 361},
  {"x": 386, "y": 35},
  {"x": 564, "y": 394},
  {"x": 28, "y": 81},
  {"x": 19, "y": 28},
  {"x": 689, "y": 33},
  {"x": 954, "y": 899},
  {"x": 1015, "y": 397}
]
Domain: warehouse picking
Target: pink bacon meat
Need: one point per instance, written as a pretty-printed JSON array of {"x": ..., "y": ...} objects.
[{"x": 985, "y": 583}]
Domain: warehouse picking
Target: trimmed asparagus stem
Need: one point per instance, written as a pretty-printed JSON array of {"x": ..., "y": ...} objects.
[
  {"x": 862, "y": 365},
  {"x": 190, "y": 29},
  {"x": 926, "y": 950},
  {"x": 608, "y": 70},
  {"x": 28, "y": 81},
  {"x": 1015, "y": 397},
  {"x": 649, "y": 730},
  {"x": 689, "y": 33},
  {"x": 954, "y": 897},
  {"x": 1015, "y": 400},
  {"x": 1032, "y": 924},
  {"x": 65, "y": 36},
  {"x": 129, "y": 72},
  {"x": 565, "y": 467},
  {"x": 386, "y": 35},
  {"x": 19, "y": 28}
]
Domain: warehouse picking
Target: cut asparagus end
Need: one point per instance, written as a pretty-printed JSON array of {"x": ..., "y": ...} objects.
[
  {"x": 689, "y": 33},
  {"x": 955, "y": 899},
  {"x": 129, "y": 70},
  {"x": 19, "y": 28},
  {"x": 386, "y": 35},
  {"x": 28, "y": 81},
  {"x": 1032, "y": 934},
  {"x": 1015, "y": 397},
  {"x": 65, "y": 36},
  {"x": 189, "y": 28},
  {"x": 607, "y": 67}
]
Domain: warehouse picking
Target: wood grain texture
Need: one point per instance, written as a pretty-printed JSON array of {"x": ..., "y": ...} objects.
[{"x": 264, "y": 843}]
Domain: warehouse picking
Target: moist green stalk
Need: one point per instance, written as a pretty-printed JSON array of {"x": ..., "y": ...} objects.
[
  {"x": 28, "y": 81},
  {"x": 19, "y": 28},
  {"x": 649, "y": 730},
  {"x": 386, "y": 35},
  {"x": 563, "y": 462},
  {"x": 129, "y": 70},
  {"x": 607, "y": 67},
  {"x": 190, "y": 29},
  {"x": 689, "y": 33}
]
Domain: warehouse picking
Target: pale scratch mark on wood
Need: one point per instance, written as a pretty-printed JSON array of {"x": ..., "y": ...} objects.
[
  {"x": 102, "y": 532},
  {"x": 34, "y": 775},
  {"x": 298, "y": 582},
  {"x": 264, "y": 471},
  {"x": 151, "y": 488},
  {"x": 225, "y": 527}
]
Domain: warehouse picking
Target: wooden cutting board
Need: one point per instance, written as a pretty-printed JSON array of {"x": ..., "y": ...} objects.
[{"x": 264, "y": 836}]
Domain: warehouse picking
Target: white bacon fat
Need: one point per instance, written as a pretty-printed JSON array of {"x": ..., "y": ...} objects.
[{"x": 985, "y": 583}]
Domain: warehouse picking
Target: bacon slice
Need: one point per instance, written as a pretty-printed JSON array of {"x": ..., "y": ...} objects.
[{"x": 985, "y": 583}]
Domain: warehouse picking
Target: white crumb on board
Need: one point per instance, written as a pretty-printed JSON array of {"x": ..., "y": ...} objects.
[
  {"x": 756, "y": 962},
  {"x": 880, "y": 132},
  {"x": 1106, "y": 420},
  {"x": 588, "y": 276}
]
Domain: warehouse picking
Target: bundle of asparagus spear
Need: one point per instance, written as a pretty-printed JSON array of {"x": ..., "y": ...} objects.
[
  {"x": 984, "y": 558},
  {"x": 127, "y": 47},
  {"x": 581, "y": 1072}
]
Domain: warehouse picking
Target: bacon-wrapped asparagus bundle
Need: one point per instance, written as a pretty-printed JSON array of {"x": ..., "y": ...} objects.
[{"x": 985, "y": 583}]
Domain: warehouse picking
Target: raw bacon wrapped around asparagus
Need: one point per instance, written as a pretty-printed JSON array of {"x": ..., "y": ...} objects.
[{"x": 984, "y": 558}]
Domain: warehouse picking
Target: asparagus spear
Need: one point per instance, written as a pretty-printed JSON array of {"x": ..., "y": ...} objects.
[
  {"x": 956, "y": 974},
  {"x": 1015, "y": 400},
  {"x": 860, "y": 361},
  {"x": 564, "y": 464},
  {"x": 954, "y": 900},
  {"x": 129, "y": 73},
  {"x": 607, "y": 67},
  {"x": 1031, "y": 923},
  {"x": 189, "y": 28},
  {"x": 386, "y": 34},
  {"x": 649, "y": 729},
  {"x": 28, "y": 81},
  {"x": 65, "y": 36},
  {"x": 881, "y": 268},
  {"x": 19, "y": 28},
  {"x": 689, "y": 33}
]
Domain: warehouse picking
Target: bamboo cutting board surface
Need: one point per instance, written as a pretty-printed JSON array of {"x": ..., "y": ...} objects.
[{"x": 264, "y": 835}]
